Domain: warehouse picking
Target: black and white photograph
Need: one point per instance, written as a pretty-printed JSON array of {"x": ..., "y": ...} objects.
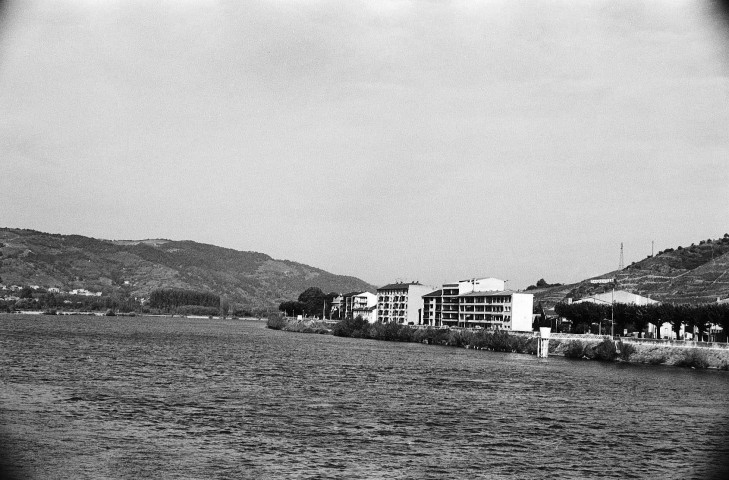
[{"x": 403, "y": 239}]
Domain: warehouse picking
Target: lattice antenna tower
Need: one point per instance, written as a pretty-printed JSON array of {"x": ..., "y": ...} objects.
[{"x": 622, "y": 260}]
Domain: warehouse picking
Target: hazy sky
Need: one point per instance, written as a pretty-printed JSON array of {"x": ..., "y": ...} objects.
[{"x": 386, "y": 140}]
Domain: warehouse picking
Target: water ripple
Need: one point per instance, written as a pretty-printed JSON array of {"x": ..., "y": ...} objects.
[{"x": 176, "y": 398}]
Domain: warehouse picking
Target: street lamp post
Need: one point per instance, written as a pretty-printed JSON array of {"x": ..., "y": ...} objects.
[{"x": 612, "y": 314}]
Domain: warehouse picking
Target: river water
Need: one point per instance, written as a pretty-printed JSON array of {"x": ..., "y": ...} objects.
[{"x": 105, "y": 397}]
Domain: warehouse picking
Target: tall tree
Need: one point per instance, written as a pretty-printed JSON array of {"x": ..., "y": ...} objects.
[
  {"x": 313, "y": 299},
  {"x": 723, "y": 318},
  {"x": 292, "y": 308},
  {"x": 653, "y": 315}
]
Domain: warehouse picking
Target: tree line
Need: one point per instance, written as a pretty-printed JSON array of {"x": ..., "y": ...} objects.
[
  {"x": 161, "y": 301},
  {"x": 541, "y": 283},
  {"x": 636, "y": 318},
  {"x": 53, "y": 302},
  {"x": 169, "y": 298},
  {"x": 311, "y": 302}
]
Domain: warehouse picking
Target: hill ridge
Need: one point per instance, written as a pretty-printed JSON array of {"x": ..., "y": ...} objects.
[
  {"x": 696, "y": 274},
  {"x": 133, "y": 268}
]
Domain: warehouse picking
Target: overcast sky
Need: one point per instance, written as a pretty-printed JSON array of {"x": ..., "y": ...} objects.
[{"x": 430, "y": 141}]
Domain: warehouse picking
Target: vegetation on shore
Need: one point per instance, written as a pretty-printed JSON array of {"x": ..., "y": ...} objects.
[
  {"x": 166, "y": 301},
  {"x": 278, "y": 322},
  {"x": 311, "y": 302},
  {"x": 637, "y": 317},
  {"x": 501, "y": 341}
]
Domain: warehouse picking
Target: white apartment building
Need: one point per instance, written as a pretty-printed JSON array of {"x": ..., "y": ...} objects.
[
  {"x": 365, "y": 305},
  {"x": 504, "y": 310},
  {"x": 401, "y": 303},
  {"x": 479, "y": 303},
  {"x": 433, "y": 308}
]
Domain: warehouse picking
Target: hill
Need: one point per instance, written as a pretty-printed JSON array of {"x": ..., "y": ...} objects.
[
  {"x": 136, "y": 267},
  {"x": 696, "y": 274}
]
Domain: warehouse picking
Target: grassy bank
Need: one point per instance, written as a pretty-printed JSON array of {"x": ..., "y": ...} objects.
[{"x": 502, "y": 341}]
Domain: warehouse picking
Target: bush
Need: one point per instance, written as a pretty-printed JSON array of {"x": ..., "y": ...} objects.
[
  {"x": 434, "y": 336},
  {"x": 352, "y": 327},
  {"x": 242, "y": 312},
  {"x": 50, "y": 312},
  {"x": 693, "y": 358},
  {"x": 392, "y": 332},
  {"x": 501, "y": 342},
  {"x": 531, "y": 346},
  {"x": 520, "y": 343},
  {"x": 454, "y": 338},
  {"x": 604, "y": 351},
  {"x": 276, "y": 322},
  {"x": 626, "y": 350},
  {"x": 406, "y": 334},
  {"x": 574, "y": 349},
  {"x": 650, "y": 355}
]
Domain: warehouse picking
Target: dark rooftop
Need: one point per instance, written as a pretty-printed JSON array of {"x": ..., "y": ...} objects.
[
  {"x": 398, "y": 286},
  {"x": 437, "y": 293}
]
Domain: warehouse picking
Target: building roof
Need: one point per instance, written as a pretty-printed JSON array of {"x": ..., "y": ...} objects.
[
  {"x": 479, "y": 279},
  {"x": 398, "y": 286},
  {"x": 351, "y": 294},
  {"x": 437, "y": 293},
  {"x": 619, "y": 296},
  {"x": 488, "y": 294},
  {"x": 366, "y": 294}
]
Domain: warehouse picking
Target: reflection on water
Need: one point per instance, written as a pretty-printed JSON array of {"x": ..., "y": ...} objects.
[{"x": 176, "y": 398}]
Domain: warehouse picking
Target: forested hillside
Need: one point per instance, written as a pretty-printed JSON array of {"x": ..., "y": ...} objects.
[{"x": 134, "y": 268}]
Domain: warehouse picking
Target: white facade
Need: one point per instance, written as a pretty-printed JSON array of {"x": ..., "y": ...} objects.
[
  {"x": 504, "y": 310},
  {"x": 401, "y": 303},
  {"x": 479, "y": 303},
  {"x": 522, "y": 306},
  {"x": 365, "y": 305}
]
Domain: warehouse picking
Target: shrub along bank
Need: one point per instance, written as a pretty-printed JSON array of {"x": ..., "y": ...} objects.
[
  {"x": 278, "y": 322},
  {"x": 501, "y": 341}
]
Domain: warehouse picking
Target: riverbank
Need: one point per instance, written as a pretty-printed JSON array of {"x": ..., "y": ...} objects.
[{"x": 601, "y": 349}]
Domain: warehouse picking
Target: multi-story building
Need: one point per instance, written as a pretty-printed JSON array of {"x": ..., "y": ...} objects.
[
  {"x": 365, "y": 305},
  {"x": 478, "y": 303},
  {"x": 496, "y": 310},
  {"x": 348, "y": 304},
  {"x": 433, "y": 308},
  {"x": 401, "y": 303},
  {"x": 449, "y": 303},
  {"x": 336, "y": 307}
]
